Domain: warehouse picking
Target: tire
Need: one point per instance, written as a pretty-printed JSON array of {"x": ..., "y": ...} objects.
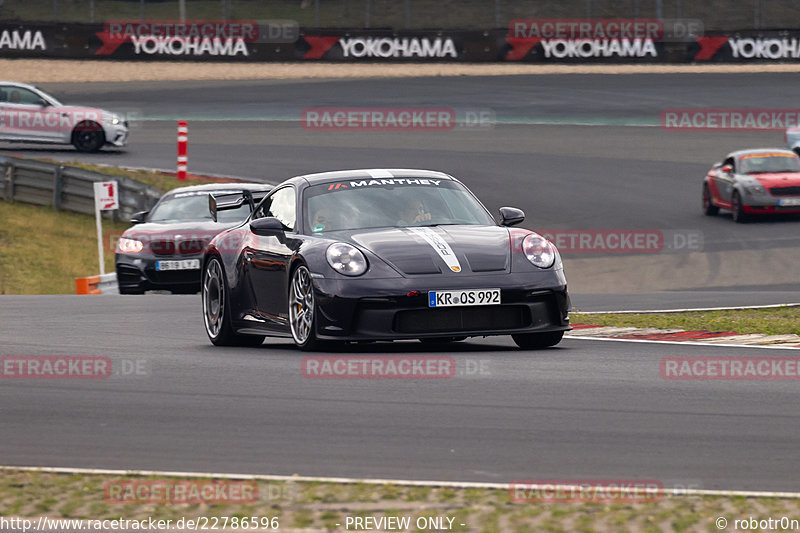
[
  {"x": 216, "y": 309},
  {"x": 88, "y": 136},
  {"x": 535, "y": 341},
  {"x": 737, "y": 209},
  {"x": 303, "y": 310},
  {"x": 708, "y": 204}
]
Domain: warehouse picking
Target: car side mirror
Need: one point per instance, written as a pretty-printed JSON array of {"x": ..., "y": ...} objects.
[
  {"x": 43, "y": 103},
  {"x": 511, "y": 216},
  {"x": 267, "y": 226},
  {"x": 727, "y": 169},
  {"x": 139, "y": 218}
]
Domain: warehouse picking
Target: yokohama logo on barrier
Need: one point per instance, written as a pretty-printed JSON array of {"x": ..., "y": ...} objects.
[
  {"x": 25, "y": 40},
  {"x": 174, "y": 38},
  {"x": 782, "y": 46},
  {"x": 549, "y": 49},
  {"x": 380, "y": 47}
]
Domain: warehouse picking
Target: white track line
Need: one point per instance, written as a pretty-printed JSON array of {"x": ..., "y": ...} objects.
[
  {"x": 403, "y": 482},
  {"x": 688, "y": 310},
  {"x": 690, "y": 343}
]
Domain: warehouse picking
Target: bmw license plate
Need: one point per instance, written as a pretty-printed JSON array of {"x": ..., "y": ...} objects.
[
  {"x": 465, "y": 297},
  {"x": 185, "y": 264},
  {"x": 789, "y": 201}
]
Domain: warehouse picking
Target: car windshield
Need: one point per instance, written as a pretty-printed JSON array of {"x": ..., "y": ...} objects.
[
  {"x": 374, "y": 203},
  {"x": 767, "y": 163},
  {"x": 56, "y": 101},
  {"x": 191, "y": 206}
]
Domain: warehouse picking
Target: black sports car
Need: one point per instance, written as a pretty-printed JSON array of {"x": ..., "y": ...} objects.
[
  {"x": 365, "y": 255},
  {"x": 163, "y": 250}
]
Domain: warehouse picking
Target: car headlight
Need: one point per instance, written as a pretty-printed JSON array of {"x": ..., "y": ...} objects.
[
  {"x": 539, "y": 250},
  {"x": 129, "y": 246},
  {"x": 346, "y": 259},
  {"x": 115, "y": 120},
  {"x": 755, "y": 189}
]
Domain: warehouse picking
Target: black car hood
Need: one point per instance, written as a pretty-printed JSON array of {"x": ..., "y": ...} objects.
[
  {"x": 444, "y": 250},
  {"x": 176, "y": 237},
  {"x": 192, "y": 229}
]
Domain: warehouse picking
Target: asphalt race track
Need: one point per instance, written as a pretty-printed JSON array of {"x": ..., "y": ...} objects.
[
  {"x": 564, "y": 176},
  {"x": 583, "y": 410},
  {"x": 578, "y": 152}
]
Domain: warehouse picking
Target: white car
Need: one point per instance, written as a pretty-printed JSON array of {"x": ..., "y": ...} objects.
[
  {"x": 792, "y": 138},
  {"x": 28, "y": 114}
]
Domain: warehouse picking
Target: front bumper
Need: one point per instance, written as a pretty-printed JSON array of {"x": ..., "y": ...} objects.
[
  {"x": 770, "y": 209},
  {"x": 348, "y": 310},
  {"x": 116, "y": 135},
  {"x": 136, "y": 273}
]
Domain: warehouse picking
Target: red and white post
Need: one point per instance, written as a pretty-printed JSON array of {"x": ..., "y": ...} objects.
[{"x": 183, "y": 148}]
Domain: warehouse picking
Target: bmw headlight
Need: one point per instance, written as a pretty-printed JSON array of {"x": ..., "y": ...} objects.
[
  {"x": 539, "y": 250},
  {"x": 115, "y": 120},
  {"x": 346, "y": 259},
  {"x": 129, "y": 246}
]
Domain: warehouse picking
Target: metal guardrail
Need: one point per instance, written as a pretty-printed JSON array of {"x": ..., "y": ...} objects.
[{"x": 68, "y": 188}]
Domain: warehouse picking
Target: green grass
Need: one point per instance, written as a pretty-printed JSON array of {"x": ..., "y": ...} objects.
[
  {"x": 30, "y": 495},
  {"x": 42, "y": 250},
  {"x": 773, "y": 321}
]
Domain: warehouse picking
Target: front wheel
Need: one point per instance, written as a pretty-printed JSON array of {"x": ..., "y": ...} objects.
[
  {"x": 303, "y": 310},
  {"x": 216, "y": 310},
  {"x": 534, "y": 341},
  {"x": 737, "y": 209},
  {"x": 708, "y": 204},
  {"x": 88, "y": 136}
]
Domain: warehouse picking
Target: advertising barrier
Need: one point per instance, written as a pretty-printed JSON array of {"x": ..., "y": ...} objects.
[{"x": 524, "y": 40}]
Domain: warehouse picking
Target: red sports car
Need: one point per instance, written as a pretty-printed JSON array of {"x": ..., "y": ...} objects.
[{"x": 750, "y": 182}]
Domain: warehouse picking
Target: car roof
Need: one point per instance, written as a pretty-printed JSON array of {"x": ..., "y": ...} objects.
[
  {"x": 232, "y": 186},
  {"x": 18, "y": 84},
  {"x": 755, "y": 151},
  {"x": 372, "y": 173}
]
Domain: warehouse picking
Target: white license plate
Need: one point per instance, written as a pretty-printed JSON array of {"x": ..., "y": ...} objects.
[
  {"x": 466, "y": 297},
  {"x": 185, "y": 264},
  {"x": 789, "y": 201}
]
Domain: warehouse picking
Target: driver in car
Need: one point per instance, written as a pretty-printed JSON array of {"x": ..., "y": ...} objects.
[{"x": 413, "y": 213}]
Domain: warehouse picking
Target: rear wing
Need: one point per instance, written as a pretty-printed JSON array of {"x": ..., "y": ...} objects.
[{"x": 233, "y": 200}]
